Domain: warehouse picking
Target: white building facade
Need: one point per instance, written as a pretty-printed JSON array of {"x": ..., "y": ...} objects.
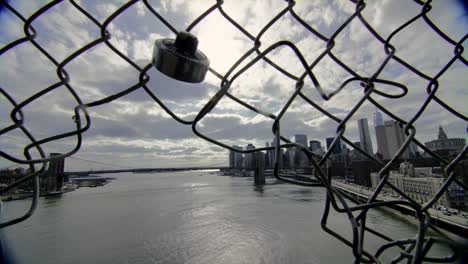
[{"x": 421, "y": 184}]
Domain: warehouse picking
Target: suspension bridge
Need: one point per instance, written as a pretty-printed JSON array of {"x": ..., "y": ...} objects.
[
  {"x": 140, "y": 170},
  {"x": 121, "y": 169}
]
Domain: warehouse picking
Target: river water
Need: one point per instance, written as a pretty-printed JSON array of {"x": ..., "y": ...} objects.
[{"x": 189, "y": 217}]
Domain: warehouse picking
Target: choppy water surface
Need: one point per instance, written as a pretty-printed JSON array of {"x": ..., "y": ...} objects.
[{"x": 191, "y": 217}]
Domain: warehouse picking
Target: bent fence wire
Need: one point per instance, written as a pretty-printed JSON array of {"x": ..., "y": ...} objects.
[{"x": 412, "y": 249}]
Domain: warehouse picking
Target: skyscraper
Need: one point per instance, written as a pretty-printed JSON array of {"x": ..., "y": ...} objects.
[
  {"x": 355, "y": 154},
  {"x": 268, "y": 156},
  {"x": 382, "y": 148},
  {"x": 232, "y": 159},
  {"x": 315, "y": 146},
  {"x": 337, "y": 148},
  {"x": 378, "y": 119},
  {"x": 301, "y": 139},
  {"x": 250, "y": 158},
  {"x": 235, "y": 158},
  {"x": 381, "y": 138},
  {"x": 364, "y": 136},
  {"x": 273, "y": 155},
  {"x": 291, "y": 154},
  {"x": 300, "y": 158},
  {"x": 390, "y": 136}
]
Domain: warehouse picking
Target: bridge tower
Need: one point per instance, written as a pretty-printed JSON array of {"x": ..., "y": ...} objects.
[
  {"x": 54, "y": 179},
  {"x": 259, "y": 173}
]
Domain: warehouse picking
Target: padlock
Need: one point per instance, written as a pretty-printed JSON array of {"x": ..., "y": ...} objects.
[{"x": 180, "y": 59}]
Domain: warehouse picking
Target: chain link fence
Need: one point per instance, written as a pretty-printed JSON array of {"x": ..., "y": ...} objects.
[{"x": 412, "y": 249}]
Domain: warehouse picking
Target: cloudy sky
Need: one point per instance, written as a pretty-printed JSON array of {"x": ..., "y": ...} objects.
[{"x": 134, "y": 131}]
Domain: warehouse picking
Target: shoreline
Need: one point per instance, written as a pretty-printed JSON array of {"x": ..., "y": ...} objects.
[{"x": 405, "y": 213}]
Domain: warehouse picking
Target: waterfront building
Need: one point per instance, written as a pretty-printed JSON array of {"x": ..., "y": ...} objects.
[
  {"x": 362, "y": 170},
  {"x": 340, "y": 166},
  {"x": 315, "y": 145},
  {"x": 232, "y": 159},
  {"x": 282, "y": 159},
  {"x": 235, "y": 158},
  {"x": 444, "y": 145},
  {"x": 356, "y": 154},
  {"x": 378, "y": 119},
  {"x": 382, "y": 148},
  {"x": 268, "y": 153},
  {"x": 462, "y": 171},
  {"x": 301, "y": 139},
  {"x": 9, "y": 176},
  {"x": 250, "y": 161},
  {"x": 364, "y": 136},
  {"x": 300, "y": 158},
  {"x": 286, "y": 158},
  {"x": 390, "y": 137},
  {"x": 337, "y": 148},
  {"x": 291, "y": 153},
  {"x": 421, "y": 184}
]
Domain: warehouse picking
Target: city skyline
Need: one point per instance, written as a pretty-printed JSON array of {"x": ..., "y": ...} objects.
[
  {"x": 323, "y": 143},
  {"x": 388, "y": 142}
]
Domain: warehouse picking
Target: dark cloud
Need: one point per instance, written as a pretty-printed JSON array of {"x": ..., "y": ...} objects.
[{"x": 111, "y": 128}]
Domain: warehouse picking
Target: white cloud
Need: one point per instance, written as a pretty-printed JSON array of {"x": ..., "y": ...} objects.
[
  {"x": 143, "y": 49},
  {"x": 140, "y": 8},
  {"x": 104, "y": 10}
]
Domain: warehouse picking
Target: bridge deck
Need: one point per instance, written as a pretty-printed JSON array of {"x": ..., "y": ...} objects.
[{"x": 141, "y": 170}]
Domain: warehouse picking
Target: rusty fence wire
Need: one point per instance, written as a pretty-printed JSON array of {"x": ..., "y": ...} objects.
[{"x": 412, "y": 249}]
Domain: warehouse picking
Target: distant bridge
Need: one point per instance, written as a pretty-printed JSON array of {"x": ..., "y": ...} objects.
[{"x": 141, "y": 170}]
